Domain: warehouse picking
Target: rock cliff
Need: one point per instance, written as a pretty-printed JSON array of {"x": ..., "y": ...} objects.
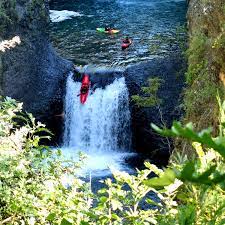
[
  {"x": 206, "y": 59},
  {"x": 206, "y": 63},
  {"x": 31, "y": 72}
]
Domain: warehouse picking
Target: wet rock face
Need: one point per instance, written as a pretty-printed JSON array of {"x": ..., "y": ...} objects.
[
  {"x": 32, "y": 72},
  {"x": 171, "y": 70}
]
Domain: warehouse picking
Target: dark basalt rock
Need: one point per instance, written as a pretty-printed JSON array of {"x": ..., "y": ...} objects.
[
  {"x": 32, "y": 72},
  {"x": 99, "y": 76},
  {"x": 145, "y": 140}
]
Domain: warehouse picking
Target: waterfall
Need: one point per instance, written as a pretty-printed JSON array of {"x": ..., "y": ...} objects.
[{"x": 100, "y": 127}]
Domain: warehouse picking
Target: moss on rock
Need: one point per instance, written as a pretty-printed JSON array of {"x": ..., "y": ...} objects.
[
  {"x": 7, "y": 14},
  {"x": 206, "y": 63}
]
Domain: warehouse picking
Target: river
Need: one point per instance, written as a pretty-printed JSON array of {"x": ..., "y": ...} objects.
[{"x": 151, "y": 24}]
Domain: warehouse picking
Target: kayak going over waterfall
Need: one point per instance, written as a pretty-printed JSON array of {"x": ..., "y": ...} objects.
[{"x": 84, "y": 90}]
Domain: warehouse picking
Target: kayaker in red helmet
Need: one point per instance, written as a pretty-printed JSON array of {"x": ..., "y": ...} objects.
[{"x": 126, "y": 43}]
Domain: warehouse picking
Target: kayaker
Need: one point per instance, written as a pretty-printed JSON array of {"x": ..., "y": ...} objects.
[
  {"x": 127, "y": 40},
  {"x": 84, "y": 90},
  {"x": 126, "y": 43},
  {"x": 109, "y": 29}
]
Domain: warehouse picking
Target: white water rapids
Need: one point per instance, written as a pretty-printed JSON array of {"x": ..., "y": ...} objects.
[{"x": 100, "y": 128}]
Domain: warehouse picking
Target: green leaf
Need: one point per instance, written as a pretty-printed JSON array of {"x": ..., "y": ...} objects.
[
  {"x": 203, "y": 137},
  {"x": 218, "y": 179},
  {"x": 92, "y": 215},
  {"x": 103, "y": 199},
  {"x": 65, "y": 222},
  {"x": 115, "y": 217},
  {"x": 151, "y": 202},
  {"x": 43, "y": 129},
  {"x": 222, "y": 222},
  {"x": 187, "y": 215},
  {"x": 223, "y": 124},
  {"x": 102, "y": 191},
  {"x": 183, "y": 197},
  {"x": 84, "y": 223},
  {"x": 204, "y": 177},
  {"x": 51, "y": 217},
  {"x": 187, "y": 171},
  {"x": 165, "y": 179},
  {"x": 20, "y": 117},
  {"x": 187, "y": 174}
]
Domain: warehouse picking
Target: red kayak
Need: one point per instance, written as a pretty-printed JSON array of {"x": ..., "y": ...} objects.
[
  {"x": 126, "y": 45},
  {"x": 85, "y": 86}
]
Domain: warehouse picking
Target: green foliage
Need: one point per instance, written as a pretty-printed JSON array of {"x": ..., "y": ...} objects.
[
  {"x": 202, "y": 194},
  {"x": 201, "y": 77},
  {"x": 36, "y": 10},
  {"x": 205, "y": 62},
  {"x": 31, "y": 186},
  {"x": 33, "y": 10},
  {"x": 163, "y": 180},
  {"x": 196, "y": 57},
  {"x": 150, "y": 94},
  {"x": 199, "y": 101},
  {"x": 181, "y": 37},
  {"x": 32, "y": 190},
  {"x": 7, "y": 13},
  {"x": 203, "y": 137}
]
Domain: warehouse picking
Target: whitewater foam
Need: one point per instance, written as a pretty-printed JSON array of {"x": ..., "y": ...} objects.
[
  {"x": 100, "y": 128},
  {"x": 59, "y": 16}
]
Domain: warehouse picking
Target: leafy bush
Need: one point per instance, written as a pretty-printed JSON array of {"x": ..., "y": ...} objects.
[
  {"x": 31, "y": 175},
  {"x": 201, "y": 197},
  {"x": 32, "y": 186},
  {"x": 38, "y": 186},
  {"x": 150, "y": 97}
]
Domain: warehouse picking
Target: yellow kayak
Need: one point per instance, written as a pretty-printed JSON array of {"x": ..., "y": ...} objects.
[{"x": 102, "y": 30}]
